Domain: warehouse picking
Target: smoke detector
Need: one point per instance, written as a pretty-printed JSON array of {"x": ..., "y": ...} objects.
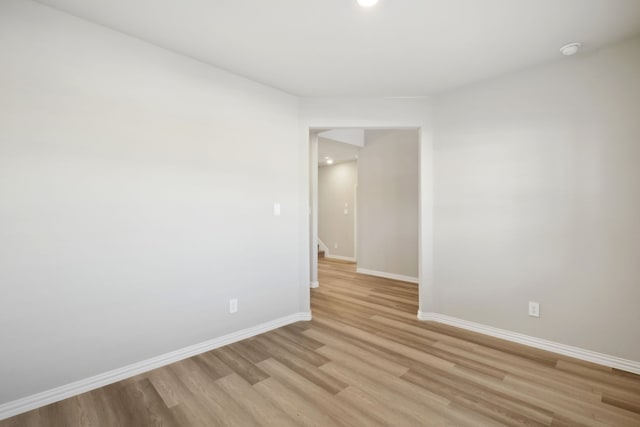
[{"x": 570, "y": 49}]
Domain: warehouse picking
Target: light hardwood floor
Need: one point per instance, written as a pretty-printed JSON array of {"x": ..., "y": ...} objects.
[{"x": 364, "y": 360}]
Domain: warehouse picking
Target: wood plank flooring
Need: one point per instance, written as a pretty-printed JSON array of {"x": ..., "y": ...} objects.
[{"x": 364, "y": 360}]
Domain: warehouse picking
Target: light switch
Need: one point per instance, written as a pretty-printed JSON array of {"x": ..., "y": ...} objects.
[{"x": 276, "y": 209}]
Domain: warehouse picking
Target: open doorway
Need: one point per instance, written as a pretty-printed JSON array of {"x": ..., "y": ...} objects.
[
  {"x": 337, "y": 208},
  {"x": 365, "y": 201}
]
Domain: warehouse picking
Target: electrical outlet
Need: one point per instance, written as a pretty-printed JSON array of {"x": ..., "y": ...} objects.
[
  {"x": 534, "y": 309},
  {"x": 335, "y": 245},
  {"x": 276, "y": 209},
  {"x": 233, "y": 305}
]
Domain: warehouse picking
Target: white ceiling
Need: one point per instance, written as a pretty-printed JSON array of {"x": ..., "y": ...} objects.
[
  {"x": 353, "y": 136},
  {"x": 339, "y": 152},
  {"x": 336, "y": 48}
]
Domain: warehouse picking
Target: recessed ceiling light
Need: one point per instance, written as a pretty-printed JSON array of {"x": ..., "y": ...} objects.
[
  {"x": 329, "y": 161},
  {"x": 367, "y": 3},
  {"x": 570, "y": 49}
]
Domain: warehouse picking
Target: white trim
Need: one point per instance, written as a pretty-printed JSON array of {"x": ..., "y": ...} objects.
[
  {"x": 323, "y": 247},
  {"x": 312, "y": 138},
  {"x": 387, "y": 275},
  {"x": 355, "y": 216},
  {"x": 314, "y": 284},
  {"x": 38, "y": 400},
  {"x": 339, "y": 257},
  {"x": 567, "y": 350},
  {"x": 327, "y": 254}
]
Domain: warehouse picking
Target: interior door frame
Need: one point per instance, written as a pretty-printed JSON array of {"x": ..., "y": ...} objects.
[
  {"x": 313, "y": 207},
  {"x": 313, "y": 197}
]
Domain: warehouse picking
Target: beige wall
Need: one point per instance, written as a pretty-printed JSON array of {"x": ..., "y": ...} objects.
[
  {"x": 537, "y": 198},
  {"x": 388, "y": 200},
  {"x": 136, "y": 186},
  {"x": 336, "y": 193}
]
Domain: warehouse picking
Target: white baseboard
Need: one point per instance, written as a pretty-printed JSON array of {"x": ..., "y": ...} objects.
[
  {"x": 388, "y": 275},
  {"x": 28, "y": 403},
  {"x": 567, "y": 350},
  {"x": 323, "y": 247},
  {"x": 339, "y": 257},
  {"x": 314, "y": 284},
  {"x": 327, "y": 253}
]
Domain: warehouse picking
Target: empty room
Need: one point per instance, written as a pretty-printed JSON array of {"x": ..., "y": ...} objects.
[{"x": 319, "y": 213}]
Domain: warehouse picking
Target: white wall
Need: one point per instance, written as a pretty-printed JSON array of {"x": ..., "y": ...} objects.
[
  {"x": 346, "y": 136},
  {"x": 136, "y": 186},
  {"x": 537, "y": 199},
  {"x": 336, "y": 207},
  {"x": 388, "y": 196}
]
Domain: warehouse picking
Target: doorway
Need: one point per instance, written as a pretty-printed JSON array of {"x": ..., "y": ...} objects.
[
  {"x": 337, "y": 199},
  {"x": 375, "y": 222}
]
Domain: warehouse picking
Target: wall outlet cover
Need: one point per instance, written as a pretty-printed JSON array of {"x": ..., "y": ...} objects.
[{"x": 534, "y": 309}]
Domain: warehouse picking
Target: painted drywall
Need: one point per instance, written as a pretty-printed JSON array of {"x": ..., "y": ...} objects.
[
  {"x": 136, "y": 188},
  {"x": 336, "y": 207},
  {"x": 388, "y": 202},
  {"x": 347, "y": 136},
  {"x": 335, "y": 152},
  {"x": 327, "y": 113},
  {"x": 537, "y": 199}
]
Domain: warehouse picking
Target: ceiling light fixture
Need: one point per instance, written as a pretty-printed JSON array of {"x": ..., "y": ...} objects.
[
  {"x": 570, "y": 49},
  {"x": 329, "y": 161},
  {"x": 367, "y": 3}
]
